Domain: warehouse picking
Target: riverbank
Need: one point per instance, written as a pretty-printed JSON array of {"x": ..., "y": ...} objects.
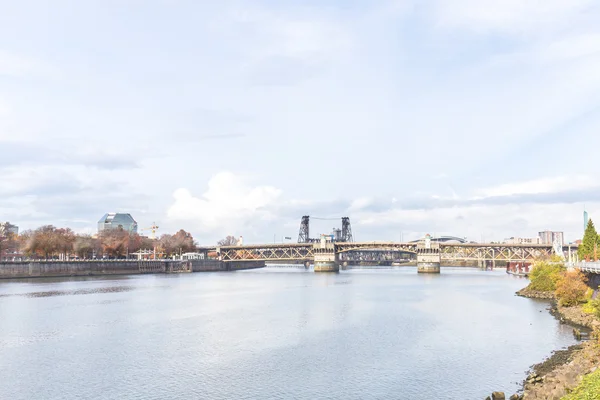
[{"x": 564, "y": 370}]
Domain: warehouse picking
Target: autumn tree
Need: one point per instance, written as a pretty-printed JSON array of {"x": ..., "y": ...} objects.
[
  {"x": 228, "y": 241},
  {"x": 183, "y": 241},
  {"x": 588, "y": 248},
  {"x": 147, "y": 243},
  {"x": 165, "y": 244},
  {"x": 571, "y": 288},
  {"x": 47, "y": 241},
  {"x": 86, "y": 246},
  {"x": 119, "y": 242}
]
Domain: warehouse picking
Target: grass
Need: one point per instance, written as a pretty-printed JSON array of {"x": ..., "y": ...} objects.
[{"x": 589, "y": 389}]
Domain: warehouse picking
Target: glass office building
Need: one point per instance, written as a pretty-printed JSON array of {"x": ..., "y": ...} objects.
[{"x": 116, "y": 221}]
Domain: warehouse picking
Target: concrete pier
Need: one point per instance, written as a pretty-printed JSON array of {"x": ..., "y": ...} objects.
[
  {"x": 428, "y": 264},
  {"x": 428, "y": 256},
  {"x": 326, "y": 259}
]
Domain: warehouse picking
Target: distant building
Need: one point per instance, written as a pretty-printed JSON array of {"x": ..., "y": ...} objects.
[
  {"x": 550, "y": 237},
  {"x": 116, "y": 221},
  {"x": 518, "y": 240},
  {"x": 443, "y": 239},
  {"x": 7, "y": 227},
  {"x": 585, "y": 219}
]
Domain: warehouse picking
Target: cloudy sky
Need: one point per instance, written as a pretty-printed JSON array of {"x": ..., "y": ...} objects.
[{"x": 466, "y": 117}]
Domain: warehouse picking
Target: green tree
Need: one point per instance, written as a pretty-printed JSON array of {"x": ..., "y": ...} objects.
[{"x": 588, "y": 248}]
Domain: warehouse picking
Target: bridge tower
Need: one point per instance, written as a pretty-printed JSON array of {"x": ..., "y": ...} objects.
[
  {"x": 346, "y": 230},
  {"x": 326, "y": 259},
  {"x": 428, "y": 256},
  {"x": 303, "y": 235}
]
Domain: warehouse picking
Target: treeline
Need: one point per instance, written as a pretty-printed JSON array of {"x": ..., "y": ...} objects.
[{"x": 49, "y": 242}]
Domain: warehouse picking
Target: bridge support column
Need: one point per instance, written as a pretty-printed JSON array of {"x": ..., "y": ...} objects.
[
  {"x": 326, "y": 260},
  {"x": 428, "y": 257},
  {"x": 428, "y": 263}
]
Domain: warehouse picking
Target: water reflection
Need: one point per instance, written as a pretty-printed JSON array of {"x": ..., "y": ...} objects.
[{"x": 73, "y": 292}]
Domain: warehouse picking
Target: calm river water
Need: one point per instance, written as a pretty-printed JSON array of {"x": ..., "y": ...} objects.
[{"x": 274, "y": 333}]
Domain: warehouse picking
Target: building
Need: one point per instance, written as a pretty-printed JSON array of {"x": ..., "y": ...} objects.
[
  {"x": 7, "y": 227},
  {"x": 518, "y": 240},
  {"x": 443, "y": 239},
  {"x": 585, "y": 219},
  {"x": 116, "y": 221},
  {"x": 550, "y": 237}
]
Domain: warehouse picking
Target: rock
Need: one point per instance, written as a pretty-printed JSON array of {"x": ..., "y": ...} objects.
[
  {"x": 571, "y": 378},
  {"x": 488, "y": 398},
  {"x": 557, "y": 394},
  {"x": 515, "y": 397},
  {"x": 498, "y": 396}
]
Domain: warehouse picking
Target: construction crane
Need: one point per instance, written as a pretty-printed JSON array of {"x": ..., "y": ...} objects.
[{"x": 152, "y": 229}]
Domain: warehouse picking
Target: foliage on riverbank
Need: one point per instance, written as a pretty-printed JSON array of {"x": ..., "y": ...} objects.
[
  {"x": 545, "y": 275},
  {"x": 571, "y": 288},
  {"x": 589, "y": 389}
]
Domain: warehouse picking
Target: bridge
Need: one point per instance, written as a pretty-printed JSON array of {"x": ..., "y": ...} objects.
[{"x": 329, "y": 255}]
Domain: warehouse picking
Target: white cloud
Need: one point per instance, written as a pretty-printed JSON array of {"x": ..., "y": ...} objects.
[
  {"x": 228, "y": 205},
  {"x": 476, "y": 222},
  {"x": 532, "y": 17},
  {"x": 19, "y": 66},
  {"x": 543, "y": 185},
  {"x": 360, "y": 203}
]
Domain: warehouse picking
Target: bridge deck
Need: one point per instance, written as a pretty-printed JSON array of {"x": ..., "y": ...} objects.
[{"x": 449, "y": 251}]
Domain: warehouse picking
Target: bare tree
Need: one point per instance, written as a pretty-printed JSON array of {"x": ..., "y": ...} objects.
[{"x": 228, "y": 241}]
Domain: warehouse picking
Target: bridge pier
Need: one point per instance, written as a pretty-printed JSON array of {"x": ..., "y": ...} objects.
[
  {"x": 428, "y": 256},
  {"x": 326, "y": 259},
  {"x": 326, "y": 264}
]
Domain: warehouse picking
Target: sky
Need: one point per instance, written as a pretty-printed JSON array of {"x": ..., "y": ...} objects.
[{"x": 473, "y": 118}]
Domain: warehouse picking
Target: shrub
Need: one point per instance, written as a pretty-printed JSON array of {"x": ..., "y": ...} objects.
[
  {"x": 571, "y": 288},
  {"x": 544, "y": 275},
  {"x": 592, "y": 307}
]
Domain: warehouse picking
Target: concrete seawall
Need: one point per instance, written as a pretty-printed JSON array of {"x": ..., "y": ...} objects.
[{"x": 41, "y": 269}]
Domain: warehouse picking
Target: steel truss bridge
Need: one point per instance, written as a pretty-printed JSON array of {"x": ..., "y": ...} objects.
[{"x": 448, "y": 251}]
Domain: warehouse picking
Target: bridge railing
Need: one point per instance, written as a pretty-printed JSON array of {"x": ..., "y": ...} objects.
[{"x": 586, "y": 266}]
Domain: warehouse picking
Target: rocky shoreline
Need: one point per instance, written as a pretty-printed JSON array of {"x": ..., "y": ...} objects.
[{"x": 563, "y": 370}]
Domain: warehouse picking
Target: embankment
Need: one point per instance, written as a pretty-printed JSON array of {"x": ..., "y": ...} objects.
[
  {"x": 563, "y": 371},
  {"x": 44, "y": 269}
]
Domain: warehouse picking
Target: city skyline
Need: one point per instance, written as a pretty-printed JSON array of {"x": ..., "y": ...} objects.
[{"x": 239, "y": 118}]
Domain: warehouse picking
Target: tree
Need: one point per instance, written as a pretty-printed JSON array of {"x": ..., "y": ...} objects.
[
  {"x": 571, "y": 288},
  {"x": 228, "y": 241},
  {"x": 8, "y": 242},
  {"x": 86, "y": 246},
  {"x": 47, "y": 241},
  {"x": 166, "y": 244},
  {"x": 183, "y": 241},
  {"x": 545, "y": 275},
  {"x": 118, "y": 242},
  {"x": 588, "y": 248}
]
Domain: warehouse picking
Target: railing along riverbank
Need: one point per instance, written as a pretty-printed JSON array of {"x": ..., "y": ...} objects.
[{"x": 593, "y": 266}]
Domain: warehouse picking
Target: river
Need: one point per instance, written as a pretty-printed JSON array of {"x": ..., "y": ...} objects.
[{"x": 273, "y": 333}]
